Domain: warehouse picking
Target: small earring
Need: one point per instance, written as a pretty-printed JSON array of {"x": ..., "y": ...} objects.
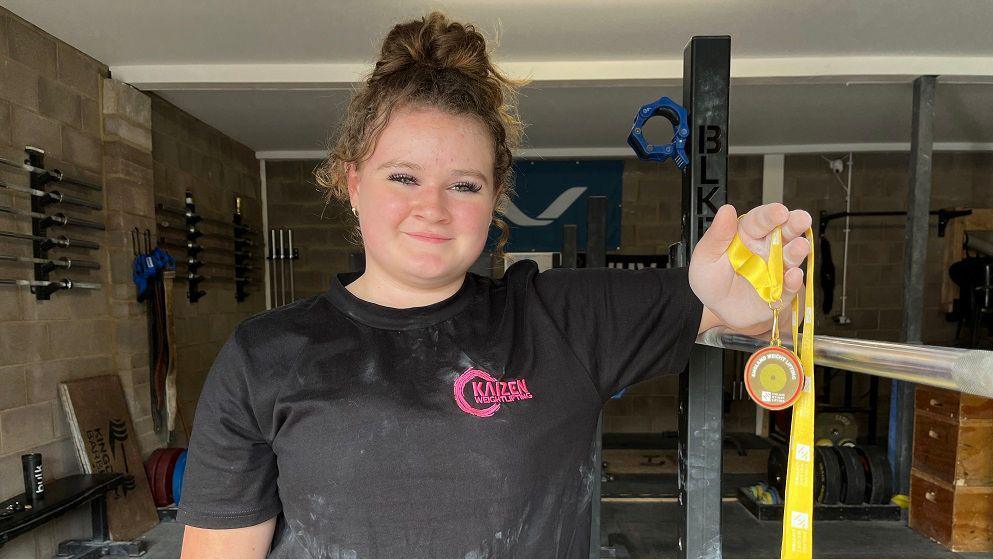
[{"x": 355, "y": 212}]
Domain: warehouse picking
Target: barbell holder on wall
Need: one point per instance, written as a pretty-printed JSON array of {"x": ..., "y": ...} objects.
[
  {"x": 59, "y": 219},
  {"x": 52, "y": 197},
  {"x": 49, "y": 287},
  {"x": 49, "y": 242},
  {"x": 49, "y": 175},
  {"x": 49, "y": 265}
]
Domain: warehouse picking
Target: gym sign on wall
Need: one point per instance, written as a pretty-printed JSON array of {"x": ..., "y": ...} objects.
[{"x": 551, "y": 194}]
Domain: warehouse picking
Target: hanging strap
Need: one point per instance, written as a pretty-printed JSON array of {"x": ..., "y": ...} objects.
[{"x": 767, "y": 278}]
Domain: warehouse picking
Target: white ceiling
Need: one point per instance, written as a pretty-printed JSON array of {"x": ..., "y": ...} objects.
[{"x": 807, "y": 75}]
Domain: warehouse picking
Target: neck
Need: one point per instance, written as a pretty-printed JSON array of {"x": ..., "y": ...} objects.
[{"x": 377, "y": 287}]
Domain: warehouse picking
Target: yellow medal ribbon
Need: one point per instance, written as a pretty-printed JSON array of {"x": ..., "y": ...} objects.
[{"x": 767, "y": 278}]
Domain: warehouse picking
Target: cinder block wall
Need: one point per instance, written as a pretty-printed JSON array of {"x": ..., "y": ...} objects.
[
  {"x": 320, "y": 231},
  {"x": 875, "y": 264},
  {"x": 191, "y": 156},
  {"x": 100, "y": 130},
  {"x": 51, "y": 97},
  {"x": 650, "y": 222}
]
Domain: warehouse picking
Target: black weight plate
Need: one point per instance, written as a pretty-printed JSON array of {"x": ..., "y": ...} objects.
[
  {"x": 827, "y": 476},
  {"x": 852, "y": 475},
  {"x": 778, "y": 460},
  {"x": 879, "y": 476}
]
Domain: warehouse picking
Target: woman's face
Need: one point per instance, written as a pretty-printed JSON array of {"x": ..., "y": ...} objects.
[{"x": 425, "y": 197}]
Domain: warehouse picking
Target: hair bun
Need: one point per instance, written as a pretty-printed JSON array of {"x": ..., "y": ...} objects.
[{"x": 433, "y": 42}]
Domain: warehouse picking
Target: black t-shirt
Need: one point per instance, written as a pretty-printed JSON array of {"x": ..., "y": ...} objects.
[{"x": 463, "y": 429}]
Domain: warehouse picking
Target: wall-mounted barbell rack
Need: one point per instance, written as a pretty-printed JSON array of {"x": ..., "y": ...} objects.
[
  {"x": 42, "y": 241},
  {"x": 242, "y": 239}
]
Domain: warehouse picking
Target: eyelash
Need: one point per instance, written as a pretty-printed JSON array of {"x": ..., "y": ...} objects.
[{"x": 407, "y": 179}]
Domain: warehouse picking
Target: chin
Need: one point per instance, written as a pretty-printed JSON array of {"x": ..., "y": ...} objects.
[{"x": 428, "y": 269}]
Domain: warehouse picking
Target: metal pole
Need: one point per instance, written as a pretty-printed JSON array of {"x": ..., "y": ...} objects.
[
  {"x": 266, "y": 263},
  {"x": 961, "y": 369},
  {"x": 706, "y": 84},
  {"x": 914, "y": 257},
  {"x": 596, "y": 257},
  {"x": 272, "y": 265},
  {"x": 282, "y": 269},
  {"x": 569, "y": 250},
  {"x": 293, "y": 295}
]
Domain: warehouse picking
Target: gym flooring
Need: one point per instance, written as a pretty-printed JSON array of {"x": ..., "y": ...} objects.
[{"x": 648, "y": 531}]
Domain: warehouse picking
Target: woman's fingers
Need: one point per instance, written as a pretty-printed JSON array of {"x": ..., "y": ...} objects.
[
  {"x": 761, "y": 221},
  {"x": 796, "y": 226},
  {"x": 792, "y": 280},
  {"x": 795, "y": 252}
]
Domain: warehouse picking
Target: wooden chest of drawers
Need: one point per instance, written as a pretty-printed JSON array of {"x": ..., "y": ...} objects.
[{"x": 951, "y": 482}]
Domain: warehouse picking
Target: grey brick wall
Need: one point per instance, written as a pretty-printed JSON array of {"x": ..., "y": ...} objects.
[
  {"x": 320, "y": 231},
  {"x": 50, "y": 98},
  {"x": 875, "y": 265},
  {"x": 650, "y": 222},
  {"x": 189, "y": 155},
  {"x": 102, "y": 131}
]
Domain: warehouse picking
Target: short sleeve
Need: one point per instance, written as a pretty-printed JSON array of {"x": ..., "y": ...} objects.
[
  {"x": 626, "y": 325},
  {"x": 230, "y": 477}
]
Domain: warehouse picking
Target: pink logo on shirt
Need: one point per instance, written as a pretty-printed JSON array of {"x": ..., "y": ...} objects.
[{"x": 488, "y": 390}]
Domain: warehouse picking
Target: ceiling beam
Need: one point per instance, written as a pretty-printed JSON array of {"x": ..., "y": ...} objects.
[
  {"x": 847, "y": 70},
  {"x": 624, "y": 152}
]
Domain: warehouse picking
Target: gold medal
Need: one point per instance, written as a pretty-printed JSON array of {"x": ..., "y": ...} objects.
[
  {"x": 773, "y": 375},
  {"x": 774, "y": 378}
]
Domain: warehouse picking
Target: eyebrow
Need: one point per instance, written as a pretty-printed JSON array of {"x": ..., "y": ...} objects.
[{"x": 395, "y": 163}]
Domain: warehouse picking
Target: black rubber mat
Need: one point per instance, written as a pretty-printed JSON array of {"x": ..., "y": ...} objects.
[{"x": 649, "y": 531}]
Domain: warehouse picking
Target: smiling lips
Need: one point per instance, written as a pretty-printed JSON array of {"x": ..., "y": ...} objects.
[{"x": 429, "y": 237}]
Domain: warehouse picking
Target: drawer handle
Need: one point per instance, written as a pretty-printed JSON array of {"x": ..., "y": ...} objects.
[
  {"x": 933, "y": 434},
  {"x": 935, "y": 403},
  {"x": 931, "y": 496}
]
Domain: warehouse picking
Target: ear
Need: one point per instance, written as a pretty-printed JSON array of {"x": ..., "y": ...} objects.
[{"x": 352, "y": 175}]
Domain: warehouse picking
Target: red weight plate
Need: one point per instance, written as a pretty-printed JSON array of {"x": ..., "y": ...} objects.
[{"x": 151, "y": 470}]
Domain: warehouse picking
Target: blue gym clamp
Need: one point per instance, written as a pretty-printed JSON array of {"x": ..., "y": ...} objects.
[{"x": 676, "y": 149}]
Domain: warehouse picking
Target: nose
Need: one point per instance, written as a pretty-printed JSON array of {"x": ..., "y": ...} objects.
[{"x": 430, "y": 204}]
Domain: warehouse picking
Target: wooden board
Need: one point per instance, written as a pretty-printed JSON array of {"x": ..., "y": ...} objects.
[{"x": 105, "y": 441}]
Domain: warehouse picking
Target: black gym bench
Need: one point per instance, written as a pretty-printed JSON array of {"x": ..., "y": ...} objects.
[{"x": 19, "y": 515}]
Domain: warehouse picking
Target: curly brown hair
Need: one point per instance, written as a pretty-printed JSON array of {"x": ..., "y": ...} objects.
[{"x": 437, "y": 63}]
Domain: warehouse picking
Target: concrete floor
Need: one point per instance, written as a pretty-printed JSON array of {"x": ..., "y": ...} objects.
[
  {"x": 649, "y": 532},
  {"x": 164, "y": 541}
]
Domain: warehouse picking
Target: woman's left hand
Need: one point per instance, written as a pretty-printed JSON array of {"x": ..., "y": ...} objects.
[{"x": 728, "y": 295}]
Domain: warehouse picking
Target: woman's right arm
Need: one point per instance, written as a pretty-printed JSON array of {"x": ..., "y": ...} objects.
[
  {"x": 230, "y": 499},
  {"x": 250, "y": 542}
]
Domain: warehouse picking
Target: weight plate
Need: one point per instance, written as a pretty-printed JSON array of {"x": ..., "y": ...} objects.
[
  {"x": 159, "y": 493},
  {"x": 852, "y": 476},
  {"x": 152, "y": 472},
  {"x": 777, "y": 468},
  {"x": 170, "y": 466},
  {"x": 774, "y": 378},
  {"x": 775, "y": 495},
  {"x": 177, "y": 477},
  {"x": 827, "y": 476},
  {"x": 837, "y": 427},
  {"x": 879, "y": 476}
]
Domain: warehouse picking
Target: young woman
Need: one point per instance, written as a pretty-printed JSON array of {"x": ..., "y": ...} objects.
[{"x": 418, "y": 410}]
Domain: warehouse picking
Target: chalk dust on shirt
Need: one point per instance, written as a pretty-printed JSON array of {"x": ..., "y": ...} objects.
[{"x": 463, "y": 429}]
